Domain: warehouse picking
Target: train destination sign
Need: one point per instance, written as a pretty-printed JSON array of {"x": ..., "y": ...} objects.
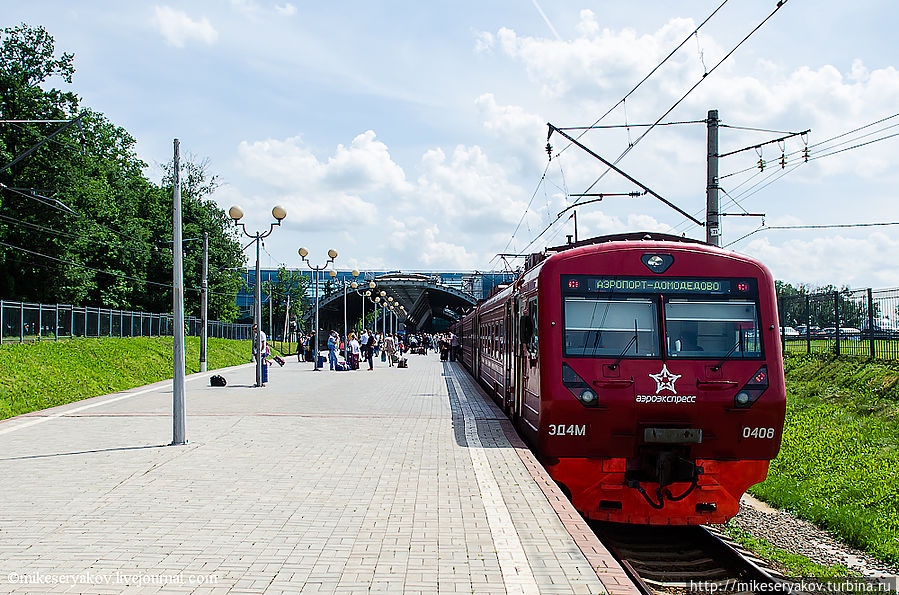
[{"x": 715, "y": 286}]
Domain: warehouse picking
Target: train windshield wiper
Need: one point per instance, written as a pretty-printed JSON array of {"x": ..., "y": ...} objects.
[
  {"x": 626, "y": 347},
  {"x": 739, "y": 342}
]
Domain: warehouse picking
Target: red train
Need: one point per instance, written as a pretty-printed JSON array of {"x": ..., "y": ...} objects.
[{"x": 645, "y": 370}]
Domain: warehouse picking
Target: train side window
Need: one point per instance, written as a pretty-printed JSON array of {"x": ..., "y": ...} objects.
[
  {"x": 700, "y": 328},
  {"x": 611, "y": 327},
  {"x": 532, "y": 344}
]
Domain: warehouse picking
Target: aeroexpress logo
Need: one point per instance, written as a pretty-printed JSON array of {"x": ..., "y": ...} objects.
[{"x": 665, "y": 382}]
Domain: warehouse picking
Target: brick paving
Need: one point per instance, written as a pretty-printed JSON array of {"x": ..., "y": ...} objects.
[{"x": 391, "y": 481}]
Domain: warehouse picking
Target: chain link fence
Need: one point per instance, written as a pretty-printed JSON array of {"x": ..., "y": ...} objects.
[
  {"x": 21, "y": 322},
  {"x": 862, "y": 322}
]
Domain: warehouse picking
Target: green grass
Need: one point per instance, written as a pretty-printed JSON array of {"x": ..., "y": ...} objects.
[
  {"x": 50, "y": 373},
  {"x": 790, "y": 564},
  {"x": 839, "y": 461},
  {"x": 883, "y": 348}
]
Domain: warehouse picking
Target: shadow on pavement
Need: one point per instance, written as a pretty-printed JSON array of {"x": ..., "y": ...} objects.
[{"x": 83, "y": 452}]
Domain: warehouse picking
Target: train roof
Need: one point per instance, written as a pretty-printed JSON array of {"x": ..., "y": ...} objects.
[{"x": 633, "y": 236}]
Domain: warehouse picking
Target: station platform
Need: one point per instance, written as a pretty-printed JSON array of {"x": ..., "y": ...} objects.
[{"x": 392, "y": 480}]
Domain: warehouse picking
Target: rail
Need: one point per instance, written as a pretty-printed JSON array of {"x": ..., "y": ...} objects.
[{"x": 683, "y": 559}]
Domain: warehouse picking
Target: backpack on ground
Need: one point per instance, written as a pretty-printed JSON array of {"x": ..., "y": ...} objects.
[{"x": 217, "y": 380}]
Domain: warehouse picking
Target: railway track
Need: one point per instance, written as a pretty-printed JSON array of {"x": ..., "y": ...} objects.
[{"x": 670, "y": 560}]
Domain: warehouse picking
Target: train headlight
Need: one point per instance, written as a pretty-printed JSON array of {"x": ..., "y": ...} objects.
[
  {"x": 578, "y": 387},
  {"x": 657, "y": 263},
  {"x": 752, "y": 390},
  {"x": 587, "y": 397}
]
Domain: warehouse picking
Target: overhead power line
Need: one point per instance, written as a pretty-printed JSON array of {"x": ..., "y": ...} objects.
[
  {"x": 102, "y": 271},
  {"x": 830, "y": 226},
  {"x": 611, "y": 109}
]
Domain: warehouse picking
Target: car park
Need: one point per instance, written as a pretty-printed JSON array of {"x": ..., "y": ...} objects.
[{"x": 789, "y": 332}]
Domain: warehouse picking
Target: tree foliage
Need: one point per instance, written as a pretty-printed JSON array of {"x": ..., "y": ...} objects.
[
  {"x": 292, "y": 286},
  {"x": 80, "y": 221},
  {"x": 821, "y": 306}
]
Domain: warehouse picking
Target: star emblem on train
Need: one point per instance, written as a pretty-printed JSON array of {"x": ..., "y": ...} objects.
[{"x": 665, "y": 380}]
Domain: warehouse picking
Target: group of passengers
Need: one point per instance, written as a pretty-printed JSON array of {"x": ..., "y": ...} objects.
[{"x": 362, "y": 348}]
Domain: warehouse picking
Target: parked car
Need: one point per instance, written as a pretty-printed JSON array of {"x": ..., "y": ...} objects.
[
  {"x": 789, "y": 332},
  {"x": 879, "y": 331},
  {"x": 845, "y": 333}
]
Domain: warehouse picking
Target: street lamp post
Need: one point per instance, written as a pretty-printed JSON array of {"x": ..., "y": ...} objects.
[
  {"x": 279, "y": 213},
  {"x": 332, "y": 254},
  {"x": 354, "y": 285},
  {"x": 363, "y": 295}
]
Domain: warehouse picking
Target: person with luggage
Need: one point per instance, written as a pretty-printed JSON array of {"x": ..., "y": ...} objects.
[
  {"x": 260, "y": 350},
  {"x": 390, "y": 348},
  {"x": 354, "y": 351},
  {"x": 333, "y": 343}
]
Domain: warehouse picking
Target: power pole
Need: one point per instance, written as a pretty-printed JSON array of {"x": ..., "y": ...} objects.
[
  {"x": 712, "y": 222},
  {"x": 178, "y": 422},
  {"x": 204, "y": 302}
]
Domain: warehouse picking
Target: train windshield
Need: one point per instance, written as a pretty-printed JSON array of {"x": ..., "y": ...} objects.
[
  {"x": 626, "y": 316},
  {"x": 698, "y": 328},
  {"x": 611, "y": 327}
]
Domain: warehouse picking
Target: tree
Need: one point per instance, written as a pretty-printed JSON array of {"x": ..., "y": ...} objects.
[
  {"x": 81, "y": 222},
  {"x": 292, "y": 284},
  {"x": 201, "y": 215}
]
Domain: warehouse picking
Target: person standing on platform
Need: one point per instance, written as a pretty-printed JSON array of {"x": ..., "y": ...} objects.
[
  {"x": 370, "y": 350},
  {"x": 390, "y": 348},
  {"x": 333, "y": 343},
  {"x": 353, "y": 352},
  {"x": 363, "y": 344},
  {"x": 261, "y": 351},
  {"x": 454, "y": 347}
]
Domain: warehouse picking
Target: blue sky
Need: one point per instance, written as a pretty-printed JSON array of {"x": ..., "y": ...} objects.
[{"x": 410, "y": 135}]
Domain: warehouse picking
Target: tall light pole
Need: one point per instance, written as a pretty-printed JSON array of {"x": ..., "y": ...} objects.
[
  {"x": 279, "y": 213},
  {"x": 332, "y": 254},
  {"x": 354, "y": 285},
  {"x": 365, "y": 294},
  {"x": 178, "y": 401}
]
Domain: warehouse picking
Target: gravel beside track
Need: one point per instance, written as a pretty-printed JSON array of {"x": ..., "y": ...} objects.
[{"x": 787, "y": 532}]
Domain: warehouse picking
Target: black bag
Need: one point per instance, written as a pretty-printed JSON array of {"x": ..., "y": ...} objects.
[{"x": 217, "y": 380}]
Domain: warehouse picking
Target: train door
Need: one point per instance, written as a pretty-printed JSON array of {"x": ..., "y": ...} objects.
[
  {"x": 519, "y": 358},
  {"x": 527, "y": 399},
  {"x": 531, "y": 405},
  {"x": 508, "y": 346},
  {"x": 477, "y": 333}
]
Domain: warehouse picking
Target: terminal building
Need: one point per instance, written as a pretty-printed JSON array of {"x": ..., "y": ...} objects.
[{"x": 424, "y": 300}]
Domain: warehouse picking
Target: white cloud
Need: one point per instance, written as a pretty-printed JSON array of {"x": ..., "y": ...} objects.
[
  {"x": 599, "y": 60},
  {"x": 287, "y": 10},
  {"x": 483, "y": 42},
  {"x": 520, "y": 133},
  {"x": 363, "y": 166},
  {"x": 178, "y": 28},
  {"x": 837, "y": 259}
]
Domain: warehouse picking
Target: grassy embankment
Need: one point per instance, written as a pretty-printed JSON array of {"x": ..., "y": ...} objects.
[
  {"x": 45, "y": 374},
  {"x": 839, "y": 462}
]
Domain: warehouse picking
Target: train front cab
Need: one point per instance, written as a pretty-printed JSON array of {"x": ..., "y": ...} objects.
[{"x": 662, "y": 396}]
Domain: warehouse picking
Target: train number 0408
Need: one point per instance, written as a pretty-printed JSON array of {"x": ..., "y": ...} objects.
[
  {"x": 567, "y": 430},
  {"x": 758, "y": 432}
]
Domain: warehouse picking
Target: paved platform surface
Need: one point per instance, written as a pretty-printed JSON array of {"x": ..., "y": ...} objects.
[{"x": 394, "y": 481}]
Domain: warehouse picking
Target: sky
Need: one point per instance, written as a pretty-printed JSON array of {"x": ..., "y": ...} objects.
[{"x": 412, "y": 135}]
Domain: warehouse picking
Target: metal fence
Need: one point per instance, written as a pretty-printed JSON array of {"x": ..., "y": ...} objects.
[
  {"x": 20, "y": 322},
  {"x": 862, "y": 322}
]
